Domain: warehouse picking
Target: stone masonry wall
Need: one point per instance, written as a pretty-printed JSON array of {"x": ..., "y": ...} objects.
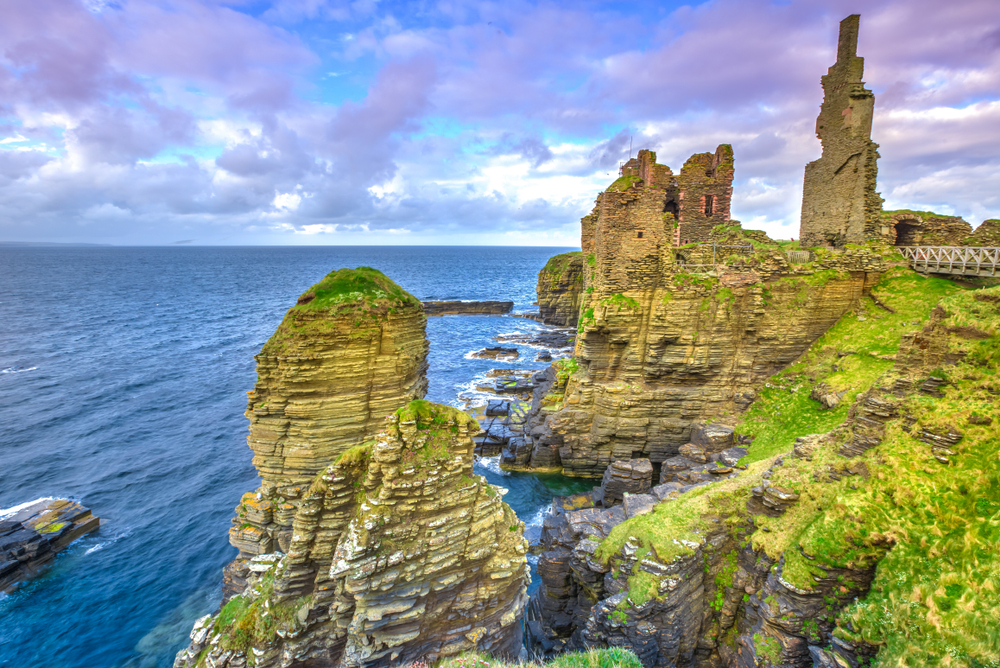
[
  {"x": 705, "y": 190},
  {"x": 839, "y": 202}
]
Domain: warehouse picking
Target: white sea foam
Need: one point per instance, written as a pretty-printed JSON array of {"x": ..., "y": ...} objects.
[
  {"x": 539, "y": 517},
  {"x": 103, "y": 544},
  {"x": 7, "y": 512},
  {"x": 492, "y": 464},
  {"x": 18, "y": 369}
]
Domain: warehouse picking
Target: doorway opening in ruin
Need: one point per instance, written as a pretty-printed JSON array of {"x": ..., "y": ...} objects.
[
  {"x": 671, "y": 207},
  {"x": 907, "y": 233}
]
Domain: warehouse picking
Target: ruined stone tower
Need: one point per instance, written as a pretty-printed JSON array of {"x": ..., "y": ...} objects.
[{"x": 839, "y": 202}]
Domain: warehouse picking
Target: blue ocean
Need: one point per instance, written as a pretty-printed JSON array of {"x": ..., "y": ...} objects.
[{"x": 123, "y": 380}]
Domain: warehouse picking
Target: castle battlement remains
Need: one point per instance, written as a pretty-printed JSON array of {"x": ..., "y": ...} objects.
[{"x": 839, "y": 202}]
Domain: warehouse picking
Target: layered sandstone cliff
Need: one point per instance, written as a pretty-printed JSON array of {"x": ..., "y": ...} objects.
[
  {"x": 664, "y": 343},
  {"x": 560, "y": 288},
  {"x": 351, "y": 351},
  {"x": 400, "y": 553},
  {"x": 777, "y": 565}
]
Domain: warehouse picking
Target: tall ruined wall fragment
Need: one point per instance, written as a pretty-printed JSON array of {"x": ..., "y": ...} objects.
[
  {"x": 839, "y": 202},
  {"x": 350, "y": 352},
  {"x": 705, "y": 187},
  {"x": 400, "y": 554}
]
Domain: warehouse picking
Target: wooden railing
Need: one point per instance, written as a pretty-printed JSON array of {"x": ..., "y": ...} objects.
[{"x": 961, "y": 260}]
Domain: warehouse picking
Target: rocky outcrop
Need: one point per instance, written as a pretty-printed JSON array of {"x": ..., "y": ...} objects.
[
  {"x": 350, "y": 352},
  {"x": 559, "y": 289},
  {"x": 432, "y": 308},
  {"x": 400, "y": 553},
  {"x": 987, "y": 234},
  {"x": 33, "y": 533}
]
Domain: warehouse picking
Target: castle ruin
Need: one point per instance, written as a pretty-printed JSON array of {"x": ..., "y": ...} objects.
[{"x": 839, "y": 202}]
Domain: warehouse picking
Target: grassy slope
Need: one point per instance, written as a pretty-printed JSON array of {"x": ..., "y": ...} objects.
[
  {"x": 848, "y": 357},
  {"x": 938, "y": 587}
]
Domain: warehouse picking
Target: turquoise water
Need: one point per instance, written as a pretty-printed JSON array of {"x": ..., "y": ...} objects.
[{"x": 123, "y": 378}]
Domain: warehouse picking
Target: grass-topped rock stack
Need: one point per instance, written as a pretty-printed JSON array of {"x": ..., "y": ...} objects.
[
  {"x": 348, "y": 353},
  {"x": 559, "y": 289},
  {"x": 400, "y": 554}
]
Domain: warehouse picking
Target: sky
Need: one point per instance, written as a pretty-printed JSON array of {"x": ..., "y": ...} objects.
[{"x": 232, "y": 122}]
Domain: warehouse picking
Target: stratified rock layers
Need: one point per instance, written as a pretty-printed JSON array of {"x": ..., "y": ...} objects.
[
  {"x": 560, "y": 288},
  {"x": 400, "y": 553},
  {"x": 350, "y": 352},
  {"x": 660, "y": 348}
]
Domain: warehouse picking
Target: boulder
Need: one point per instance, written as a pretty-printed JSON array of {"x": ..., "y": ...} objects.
[
  {"x": 712, "y": 437},
  {"x": 634, "y": 477}
]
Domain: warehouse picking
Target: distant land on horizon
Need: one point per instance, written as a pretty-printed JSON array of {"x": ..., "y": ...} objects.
[{"x": 47, "y": 243}]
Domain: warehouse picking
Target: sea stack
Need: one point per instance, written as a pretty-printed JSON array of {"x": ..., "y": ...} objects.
[
  {"x": 351, "y": 351},
  {"x": 560, "y": 288},
  {"x": 400, "y": 554}
]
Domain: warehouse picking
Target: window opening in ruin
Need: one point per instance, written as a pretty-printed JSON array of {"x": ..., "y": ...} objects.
[
  {"x": 671, "y": 207},
  {"x": 709, "y": 204},
  {"x": 640, "y": 235},
  {"x": 907, "y": 234}
]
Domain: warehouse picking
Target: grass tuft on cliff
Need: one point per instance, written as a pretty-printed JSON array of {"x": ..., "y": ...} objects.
[
  {"x": 612, "y": 657},
  {"x": 354, "y": 300},
  {"x": 363, "y": 285}
]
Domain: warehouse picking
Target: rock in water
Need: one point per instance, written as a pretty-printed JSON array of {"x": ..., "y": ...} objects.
[
  {"x": 400, "y": 553},
  {"x": 33, "y": 533},
  {"x": 350, "y": 352}
]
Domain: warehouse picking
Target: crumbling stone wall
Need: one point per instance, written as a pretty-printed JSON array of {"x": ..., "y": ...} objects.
[
  {"x": 987, "y": 234},
  {"x": 922, "y": 228},
  {"x": 705, "y": 191},
  {"x": 839, "y": 202}
]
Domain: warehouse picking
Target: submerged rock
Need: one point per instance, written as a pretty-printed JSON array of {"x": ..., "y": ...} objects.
[{"x": 399, "y": 553}]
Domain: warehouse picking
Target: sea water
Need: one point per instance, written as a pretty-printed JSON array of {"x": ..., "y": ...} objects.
[{"x": 123, "y": 374}]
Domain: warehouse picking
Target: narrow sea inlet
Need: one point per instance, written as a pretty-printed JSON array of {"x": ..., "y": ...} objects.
[{"x": 124, "y": 379}]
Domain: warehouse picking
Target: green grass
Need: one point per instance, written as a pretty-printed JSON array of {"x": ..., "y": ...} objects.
[
  {"x": 353, "y": 300},
  {"x": 849, "y": 358},
  {"x": 612, "y": 657},
  {"x": 244, "y": 623},
  {"x": 624, "y": 183},
  {"x": 438, "y": 425},
  {"x": 558, "y": 264},
  {"x": 932, "y": 528},
  {"x": 921, "y": 214}
]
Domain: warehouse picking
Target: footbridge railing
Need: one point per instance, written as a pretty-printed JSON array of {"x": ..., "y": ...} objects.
[{"x": 959, "y": 260}]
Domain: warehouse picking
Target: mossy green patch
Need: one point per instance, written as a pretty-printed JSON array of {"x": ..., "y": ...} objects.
[
  {"x": 436, "y": 428},
  {"x": 624, "y": 183},
  {"x": 351, "y": 300}
]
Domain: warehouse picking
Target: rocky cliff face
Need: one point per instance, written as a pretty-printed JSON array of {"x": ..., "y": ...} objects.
[
  {"x": 560, "y": 288},
  {"x": 400, "y": 553},
  {"x": 779, "y": 564},
  {"x": 350, "y": 352},
  {"x": 660, "y": 347}
]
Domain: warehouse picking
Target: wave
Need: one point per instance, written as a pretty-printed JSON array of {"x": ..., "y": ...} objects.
[
  {"x": 7, "y": 512},
  {"x": 18, "y": 369}
]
